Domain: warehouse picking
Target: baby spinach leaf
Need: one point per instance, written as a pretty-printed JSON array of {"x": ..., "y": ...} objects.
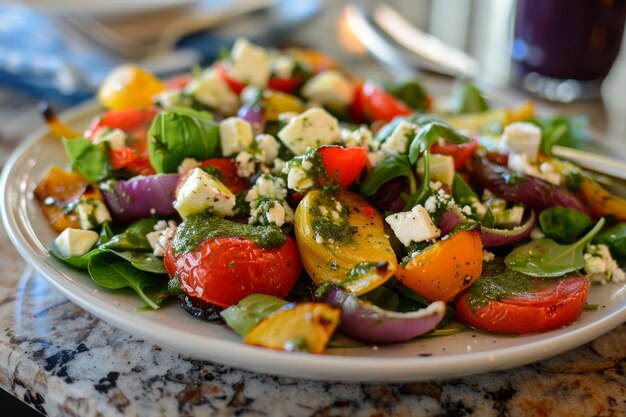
[
  {"x": 463, "y": 194},
  {"x": 389, "y": 168},
  {"x": 144, "y": 261},
  {"x": 546, "y": 258},
  {"x": 78, "y": 262},
  {"x": 563, "y": 224},
  {"x": 615, "y": 239},
  {"x": 133, "y": 238},
  {"x": 410, "y": 92},
  {"x": 182, "y": 133},
  {"x": 90, "y": 160},
  {"x": 467, "y": 98},
  {"x": 110, "y": 271},
  {"x": 561, "y": 130},
  {"x": 429, "y": 134},
  {"x": 243, "y": 316}
]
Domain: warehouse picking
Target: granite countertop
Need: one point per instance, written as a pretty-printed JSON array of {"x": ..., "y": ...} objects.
[{"x": 63, "y": 361}]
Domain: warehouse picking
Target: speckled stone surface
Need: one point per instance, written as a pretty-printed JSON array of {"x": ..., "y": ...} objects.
[{"x": 65, "y": 362}]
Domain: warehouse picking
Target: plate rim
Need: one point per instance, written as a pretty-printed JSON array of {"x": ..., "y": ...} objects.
[{"x": 237, "y": 354}]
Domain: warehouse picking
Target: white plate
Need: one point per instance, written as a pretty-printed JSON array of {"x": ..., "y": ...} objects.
[{"x": 422, "y": 359}]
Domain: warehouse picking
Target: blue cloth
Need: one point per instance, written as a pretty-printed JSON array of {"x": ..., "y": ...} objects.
[{"x": 36, "y": 56}]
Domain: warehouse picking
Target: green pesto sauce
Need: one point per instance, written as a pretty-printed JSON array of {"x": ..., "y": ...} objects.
[
  {"x": 200, "y": 227},
  {"x": 328, "y": 228},
  {"x": 364, "y": 269},
  {"x": 506, "y": 285}
]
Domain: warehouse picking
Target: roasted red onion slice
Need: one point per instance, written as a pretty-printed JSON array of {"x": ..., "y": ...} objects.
[
  {"x": 141, "y": 197},
  {"x": 526, "y": 189},
  {"x": 494, "y": 238},
  {"x": 365, "y": 321}
]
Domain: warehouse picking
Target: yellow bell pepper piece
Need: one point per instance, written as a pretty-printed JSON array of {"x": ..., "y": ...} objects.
[{"x": 129, "y": 87}]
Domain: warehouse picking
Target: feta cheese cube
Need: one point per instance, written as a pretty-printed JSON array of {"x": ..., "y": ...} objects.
[
  {"x": 250, "y": 63},
  {"x": 398, "y": 141},
  {"x": 521, "y": 137},
  {"x": 112, "y": 138},
  {"x": 200, "y": 191},
  {"x": 211, "y": 90},
  {"x": 268, "y": 147},
  {"x": 311, "y": 129},
  {"x": 235, "y": 135},
  {"x": 441, "y": 168},
  {"x": 245, "y": 163},
  {"x": 361, "y": 136},
  {"x": 92, "y": 213},
  {"x": 330, "y": 88},
  {"x": 413, "y": 226},
  {"x": 75, "y": 242}
]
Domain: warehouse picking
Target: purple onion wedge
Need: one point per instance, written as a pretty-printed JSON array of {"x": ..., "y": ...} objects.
[
  {"x": 495, "y": 238},
  {"x": 254, "y": 116},
  {"x": 365, "y": 321},
  {"x": 519, "y": 188},
  {"x": 141, "y": 197}
]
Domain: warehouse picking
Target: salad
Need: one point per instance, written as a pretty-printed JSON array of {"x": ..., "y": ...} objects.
[{"x": 292, "y": 200}]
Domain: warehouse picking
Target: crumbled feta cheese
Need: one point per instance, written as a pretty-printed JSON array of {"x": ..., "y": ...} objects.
[
  {"x": 92, "y": 213},
  {"x": 467, "y": 210},
  {"x": 250, "y": 63},
  {"x": 164, "y": 239},
  {"x": 311, "y": 129},
  {"x": 441, "y": 168},
  {"x": 211, "y": 90},
  {"x": 435, "y": 185},
  {"x": 235, "y": 135},
  {"x": 330, "y": 88},
  {"x": 523, "y": 138},
  {"x": 245, "y": 163},
  {"x": 112, "y": 138},
  {"x": 200, "y": 191},
  {"x": 361, "y": 136},
  {"x": 488, "y": 256},
  {"x": 280, "y": 166},
  {"x": 519, "y": 162},
  {"x": 600, "y": 265},
  {"x": 398, "y": 141},
  {"x": 413, "y": 226},
  {"x": 75, "y": 242},
  {"x": 267, "y": 211},
  {"x": 268, "y": 148},
  {"x": 536, "y": 233},
  {"x": 431, "y": 204},
  {"x": 187, "y": 165},
  {"x": 267, "y": 186},
  {"x": 298, "y": 179}
]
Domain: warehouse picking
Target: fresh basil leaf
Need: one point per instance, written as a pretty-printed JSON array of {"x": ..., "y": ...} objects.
[
  {"x": 467, "y": 98},
  {"x": 410, "y": 92},
  {"x": 564, "y": 131},
  {"x": 489, "y": 219},
  {"x": 90, "y": 160},
  {"x": 243, "y": 316},
  {"x": 546, "y": 258},
  {"x": 389, "y": 168},
  {"x": 419, "y": 119},
  {"x": 110, "y": 271},
  {"x": 182, "y": 133},
  {"x": 429, "y": 134},
  {"x": 424, "y": 191},
  {"x": 133, "y": 238},
  {"x": 615, "y": 239},
  {"x": 563, "y": 224},
  {"x": 143, "y": 261},
  {"x": 462, "y": 193},
  {"x": 78, "y": 262}
]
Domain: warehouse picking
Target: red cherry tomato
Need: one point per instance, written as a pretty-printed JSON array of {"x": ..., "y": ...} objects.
[
  {"x": 461, "y": 152},
  {"x": 229, "y": 175},
  {"x": 343, "y": 164},
  {"x": 286, "y": 85},
  {"x": 222, "y": 271},
  {"x": 552, "y": 306},
  {"x": 371, "y": 102},
  {"x": 236, "y": 86},
  {"x": 179, "y": 81},
  {"x": 134, "y": 158}
]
